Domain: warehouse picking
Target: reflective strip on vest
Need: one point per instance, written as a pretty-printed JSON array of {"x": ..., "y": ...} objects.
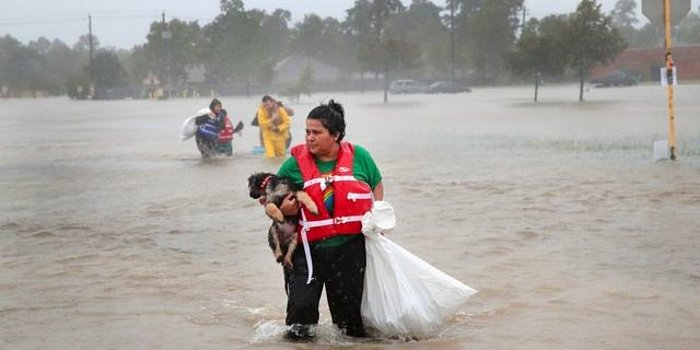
[
  {"x": 324, "y": 180},
  {"x": 328, "y": 222},
  {"x": 306, "y": 225},
  {"x": 355, "y": 196}
]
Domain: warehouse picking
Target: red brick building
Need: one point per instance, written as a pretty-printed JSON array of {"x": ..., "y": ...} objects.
[{"x": 645, "y": 63}]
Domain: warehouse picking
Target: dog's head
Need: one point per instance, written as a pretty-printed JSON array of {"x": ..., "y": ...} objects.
[{"x": 257, "y": 184}]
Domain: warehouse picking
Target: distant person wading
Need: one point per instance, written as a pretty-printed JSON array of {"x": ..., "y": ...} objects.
[
  {"x": 215, "y": 131},
  {"x": 274, "y": 123}
]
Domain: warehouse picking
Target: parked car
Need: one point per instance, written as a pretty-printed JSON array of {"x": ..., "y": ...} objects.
[
  {"x": 614, "y": 78},
  {"x": 407, "y": 86},
  {"x": 447, "y": 87}
]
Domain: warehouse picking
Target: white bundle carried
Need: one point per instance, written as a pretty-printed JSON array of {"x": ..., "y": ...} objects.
[
  {"x": 403, "y": 295},
  {"x": 189, "y": 126}
]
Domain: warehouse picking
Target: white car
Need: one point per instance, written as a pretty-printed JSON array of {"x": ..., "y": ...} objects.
[{"x": 407, "y": 86}]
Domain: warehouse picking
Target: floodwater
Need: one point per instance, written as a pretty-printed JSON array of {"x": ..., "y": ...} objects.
[{"x": 116, "y": 235}]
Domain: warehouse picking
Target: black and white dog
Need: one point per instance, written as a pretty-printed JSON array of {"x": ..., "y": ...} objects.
[{"x": 270, "y": 189}]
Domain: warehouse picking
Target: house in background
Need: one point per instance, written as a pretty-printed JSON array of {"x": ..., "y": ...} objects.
[
  {"x": 326, "y": 77},
  {"x": 646, "y": 63},
  {"x": 291, "y": 68}
]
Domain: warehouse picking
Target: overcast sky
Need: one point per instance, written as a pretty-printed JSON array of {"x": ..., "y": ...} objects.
[{"x": 125, "y": 23}]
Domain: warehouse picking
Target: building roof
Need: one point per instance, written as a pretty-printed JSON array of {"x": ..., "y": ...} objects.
[{"x": 291, "y": 67}]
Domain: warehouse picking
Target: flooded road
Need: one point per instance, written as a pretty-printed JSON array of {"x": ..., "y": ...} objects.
[{"x": 116, "y": 235}]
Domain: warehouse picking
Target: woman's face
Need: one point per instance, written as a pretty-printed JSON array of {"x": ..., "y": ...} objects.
[
  {"x": 318, "y": 138},
  {"x": 270, "y": 104},
  {"x": 216, "y": 109}
]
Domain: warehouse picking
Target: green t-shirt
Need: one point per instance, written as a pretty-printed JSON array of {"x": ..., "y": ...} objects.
[{"x": 363, "y": 167}]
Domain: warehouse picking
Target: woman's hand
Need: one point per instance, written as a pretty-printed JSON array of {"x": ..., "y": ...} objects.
[{"x": 289, "y": 206}]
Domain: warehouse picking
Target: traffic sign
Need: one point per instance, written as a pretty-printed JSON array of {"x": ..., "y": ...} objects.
[{"x": 654, "y": 10}]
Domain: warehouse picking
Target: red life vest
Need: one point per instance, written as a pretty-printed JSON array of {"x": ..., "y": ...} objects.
[
  {"x": 353, "y": 198},
  {"x": 226, "y": 133}
]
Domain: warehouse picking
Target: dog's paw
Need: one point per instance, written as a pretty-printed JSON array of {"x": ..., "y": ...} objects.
[
  {"x": 306, "y": 200},
  {"x": 274, "y": 212},
  {"x": 288, "y": 262},
  {"x": 278, "y": 255},
  {"x": 313, "y": 208}
]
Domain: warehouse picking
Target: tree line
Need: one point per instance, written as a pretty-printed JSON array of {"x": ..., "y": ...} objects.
[{"x": 474, "y": 41}]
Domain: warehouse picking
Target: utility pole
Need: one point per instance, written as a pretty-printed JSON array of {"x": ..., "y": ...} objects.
[
  {"x": 666, "y": 14},
  {"x": 452, "y": 38},
  {"x": 522, "y": 26},
  {"x": 166, "y": 35},
  {"x": 92, "y": 84},
  {"x": 669, "y": 74}
]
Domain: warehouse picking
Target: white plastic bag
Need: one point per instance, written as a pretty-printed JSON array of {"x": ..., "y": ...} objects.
[
  {"x": 189, "y": 128},
  {"x": 404, "y": 295}
]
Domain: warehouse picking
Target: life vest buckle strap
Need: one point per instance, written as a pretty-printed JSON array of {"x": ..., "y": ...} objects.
[
  {"x": 347, "y": 219},
  {"x": 332, "y": 221}
]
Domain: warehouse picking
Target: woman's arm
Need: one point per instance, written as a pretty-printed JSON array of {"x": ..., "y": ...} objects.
[
  {"x": 378, "y": 192},
  {"x": 285, "y": 120},
  {"x": 264, "y": 119},
  {"x": 289, "y": 206}
]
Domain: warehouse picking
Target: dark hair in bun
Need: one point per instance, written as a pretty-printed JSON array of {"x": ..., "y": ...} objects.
[{"x": 332, "y": 116}]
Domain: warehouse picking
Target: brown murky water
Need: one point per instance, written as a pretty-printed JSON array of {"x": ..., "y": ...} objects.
[{"x": 116, "y": 235}]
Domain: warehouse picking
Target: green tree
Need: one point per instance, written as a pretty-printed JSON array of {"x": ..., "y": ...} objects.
[
  {"x": 322, "y": 39},
  {"x": 623, "y": 15},
  {"x": 107, "y": 71},
  {"x": 538, "y": 50},
  {"x": 492, "y": 36},
  {"x": 83, "y": 44},
  {"x": 235, "y": 46},
  {"x": 485, "y": 33},
  {"x": 62, "y": 63},
  {"x": 58, "y": 63},
  {"x": 593, "y": 39},
  {"x": 648, "y": 36},
  {"x": 302, "y": 86},
  {"x": 381, "y": 50},
  {"x": 170, "y": 48},
  {"x": 689, "y": 29},
  {"x": 222, "y": 39},
  {"x": 368, "y": 19},
  {"x": 421, "y": 24},
  {"x": 358, "y": 26},
  {"x": 275, "y": 30},
  {"x": 625, "y": 19},
  {"x": 394, "y": 53},
  {"x": 21, "y": 67}
]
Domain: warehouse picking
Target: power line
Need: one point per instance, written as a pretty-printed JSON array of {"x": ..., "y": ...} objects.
[
  {"x": 111, "y": 18},
  {"x": 45, "y": 21},
  {"x": 108, "y": 16}
]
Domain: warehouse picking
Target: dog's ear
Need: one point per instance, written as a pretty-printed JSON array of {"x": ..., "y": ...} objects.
[{"x": 255, "y": 179}]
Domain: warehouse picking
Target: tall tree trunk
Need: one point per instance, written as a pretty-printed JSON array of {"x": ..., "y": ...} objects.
[
  {"x": 386, "y": 85},
  {"x": 580, "y": 87},
  {"x": 362, "y": 82},
  {"x": 537, "y": 84}
]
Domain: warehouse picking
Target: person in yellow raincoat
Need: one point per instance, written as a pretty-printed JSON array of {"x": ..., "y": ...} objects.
[{"x": 274, "y": 124}]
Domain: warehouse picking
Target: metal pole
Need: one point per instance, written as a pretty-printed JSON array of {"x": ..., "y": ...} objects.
[
  {"x": 669, "y": 88},
  {"x": 452, "y": 38},
  {"x": 91, "y": 88},
  {"x": 165, "y": 36}
]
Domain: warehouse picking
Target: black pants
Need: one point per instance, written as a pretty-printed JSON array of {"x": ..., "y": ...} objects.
[
  {"x": 342, "y": 270},
  {"x": 206, "y": 147}
]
